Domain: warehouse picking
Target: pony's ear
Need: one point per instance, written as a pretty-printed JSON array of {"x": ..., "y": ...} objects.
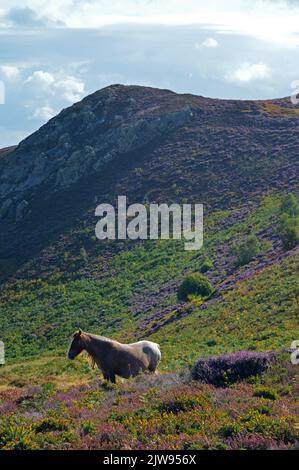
[{"x": 78, "y": 333}]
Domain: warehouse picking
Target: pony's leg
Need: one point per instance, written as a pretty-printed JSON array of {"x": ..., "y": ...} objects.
[
  {"x": 152, "y": 368},
  {"x": 112, "y": 378},
  {"x": 106, "y": 376},
  {"x": 109, "y": 376}
]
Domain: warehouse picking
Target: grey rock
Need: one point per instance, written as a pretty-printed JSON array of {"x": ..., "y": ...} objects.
[
  {"x": 4, "y": 209},
  {"x": 83, "y": 138},
  {"x": 21, "y": 209}
]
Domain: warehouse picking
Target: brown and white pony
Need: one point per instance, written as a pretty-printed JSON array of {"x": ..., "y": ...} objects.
[{"x": 114, "y": 358}]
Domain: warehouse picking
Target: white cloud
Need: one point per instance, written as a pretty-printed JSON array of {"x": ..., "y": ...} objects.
[
  {"x": 26, "y": 17},
  {"x": 273, "y": 21},
  {"x": 248, "y": 72},
  {"x": 209, "y": 43},
  {"x": 49, "y": 90},
  {"x": 44, "y": 113},
  {"x": 41, "y": 79},
  {"x": 68, "y": 88},
  {"x": 9, "y": 72}
]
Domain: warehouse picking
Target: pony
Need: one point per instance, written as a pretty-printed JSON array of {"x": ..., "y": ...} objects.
[{"x": 114, "y": 358}]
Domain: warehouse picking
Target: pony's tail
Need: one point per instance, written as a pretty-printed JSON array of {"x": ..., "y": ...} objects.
[{"x": 155, "y": 357}]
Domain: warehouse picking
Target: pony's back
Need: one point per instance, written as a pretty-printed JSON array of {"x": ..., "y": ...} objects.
[{"x": 153, "y": 351}]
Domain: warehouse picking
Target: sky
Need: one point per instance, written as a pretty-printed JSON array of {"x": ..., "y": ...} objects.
[{"x": 53, "y": 53}]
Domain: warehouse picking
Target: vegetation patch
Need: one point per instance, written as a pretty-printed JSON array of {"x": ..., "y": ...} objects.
[
  {"x": 289, "y": 222},
  {"x": 248, "y": 250},
  {"x": 195, "y": 284},
  {"x": 227, "y": 369}
]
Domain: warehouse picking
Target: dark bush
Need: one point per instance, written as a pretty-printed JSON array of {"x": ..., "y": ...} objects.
[
  {"x": 84, "y": 255},
  {"x": 179, "y": 404},
  {"x": 227, "y": 369},
  {"x": 245, "y": 252},
  {"x": 289, "y": 222},
  {"x": 194, "y": 284},
  {"x": 252, "y": 442},
  {"x": 51, "y": 424},
  {"x": 290, "y": 205},
  {"x": 289, "y": 231},
  {"x": 267, "y": 393},
  {"x": 206, "y": 265}
]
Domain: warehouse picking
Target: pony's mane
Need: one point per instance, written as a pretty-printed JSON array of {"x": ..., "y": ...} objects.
[
  {"x": 101, "y": 338},
  {"x": 91, "y": 359}
]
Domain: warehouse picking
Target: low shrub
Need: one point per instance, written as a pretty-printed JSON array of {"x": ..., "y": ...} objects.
[
  {"x": 289, "y": 222},
  {"x": 281, "y": 429},
  {"x": 289, "y": 231},
  {"x": 84, "y": 255},
  {"x": 211, "y": 342},
  {"x": 88, "y": 428},
  {"x": 252, "y": 442},
  {"x": 194, "y": 284},
  {"x": 290, "y": 205},
  {"x": 267, "y": 393},
  {"x": 51, "y": 424},
  {"x": 16, "y": 436},
  {"x": 245, "y": 252},
  {"x": 230, "y": 430},
  {"x": 229, "y": 368},
  {"x": 182, "y": 404},
  {"x": 206, "y": 265}
]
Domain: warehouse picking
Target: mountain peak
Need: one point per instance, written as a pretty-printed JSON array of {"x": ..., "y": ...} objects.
[
  {"x": 85, "y": 136},
  {"x": 123, "y": 122}
]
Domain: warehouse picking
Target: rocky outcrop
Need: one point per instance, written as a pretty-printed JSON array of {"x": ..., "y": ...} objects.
[{"x": 83, "y": 138}]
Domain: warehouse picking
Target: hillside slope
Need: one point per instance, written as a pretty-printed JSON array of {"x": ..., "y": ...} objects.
[
  {"x": 151, "y": 145},
  {"x": 239, "y": 159}
]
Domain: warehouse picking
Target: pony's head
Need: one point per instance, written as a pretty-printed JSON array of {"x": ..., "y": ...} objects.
[{"x": 77, "y": 345}]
